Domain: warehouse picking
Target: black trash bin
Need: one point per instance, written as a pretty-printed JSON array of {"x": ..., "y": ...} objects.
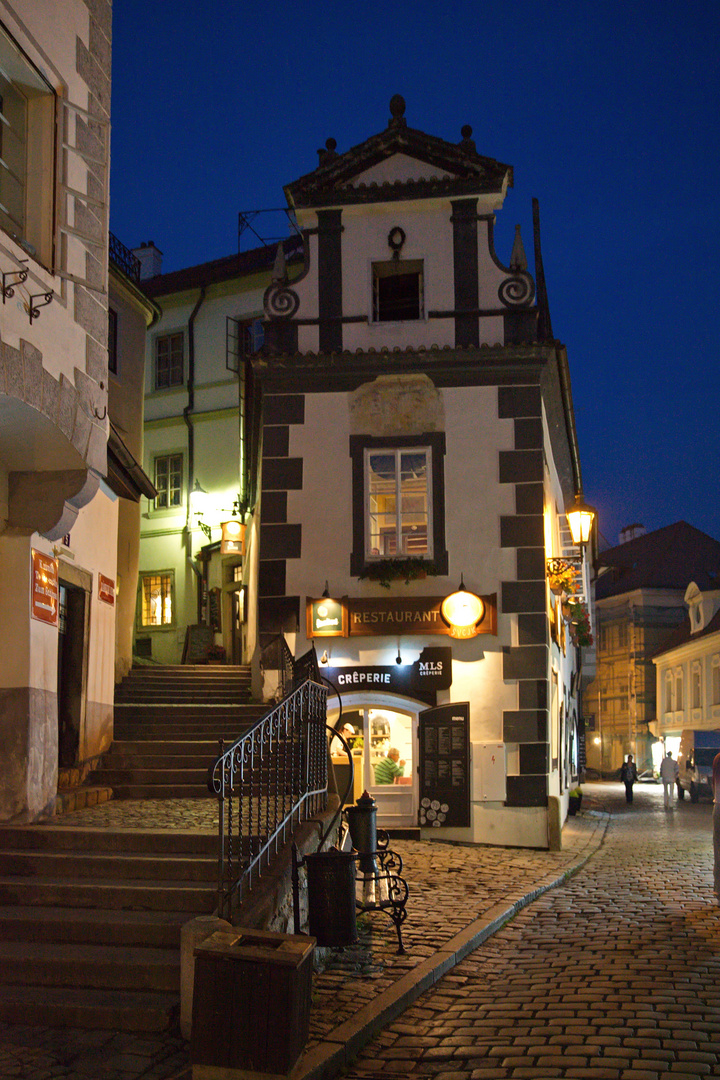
[{"x": 251, "y": 1003}]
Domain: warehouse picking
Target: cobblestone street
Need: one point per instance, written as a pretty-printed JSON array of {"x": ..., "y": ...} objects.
[
  {"x": 614, "y": 975},
  {"x": 613, "y": 972}
]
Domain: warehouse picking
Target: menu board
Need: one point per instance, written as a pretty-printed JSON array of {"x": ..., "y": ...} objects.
[{"x": 445, "y": 766}]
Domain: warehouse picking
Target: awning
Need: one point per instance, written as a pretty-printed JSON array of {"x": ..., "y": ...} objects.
[{"x": 125, "y": 475}]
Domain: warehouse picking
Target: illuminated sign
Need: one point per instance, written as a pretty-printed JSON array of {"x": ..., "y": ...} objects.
[
  {"x": 326, "y": 618},
  {"x": 395, "y": 616}
]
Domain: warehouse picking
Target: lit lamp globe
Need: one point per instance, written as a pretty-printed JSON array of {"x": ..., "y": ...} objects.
[
  {"x": 580, "y": 518},
  {"x": 462, "y": 611}
]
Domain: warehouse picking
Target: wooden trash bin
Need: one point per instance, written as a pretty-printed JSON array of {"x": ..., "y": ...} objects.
[{"x": 251, "y": 1004}]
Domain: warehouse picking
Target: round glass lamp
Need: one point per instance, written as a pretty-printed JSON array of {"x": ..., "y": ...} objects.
[{"x": 462, "y": 611}]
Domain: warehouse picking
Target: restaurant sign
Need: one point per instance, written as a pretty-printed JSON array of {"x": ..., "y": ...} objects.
[
  {"x": 431, "y": 672},
  {"x": 44, "y": 588},
  {"x": 380, "y": 616}
]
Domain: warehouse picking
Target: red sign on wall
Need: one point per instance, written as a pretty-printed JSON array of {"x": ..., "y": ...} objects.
[
  {"x": 44, "y": 588},
  {"x": 106, "y": 589}
]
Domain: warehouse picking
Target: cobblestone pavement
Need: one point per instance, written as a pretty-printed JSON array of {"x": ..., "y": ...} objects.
[
  {"x": 614, "y": 976},
  {"x": 452, "y": 886}
]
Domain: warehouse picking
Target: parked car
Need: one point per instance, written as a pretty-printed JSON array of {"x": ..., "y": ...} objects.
[{"x": 695, "y": 758}]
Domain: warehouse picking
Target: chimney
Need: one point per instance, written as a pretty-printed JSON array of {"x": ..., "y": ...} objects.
[
  {"x": 630, "y": 532},
  {"x": 150, "y": 259}
]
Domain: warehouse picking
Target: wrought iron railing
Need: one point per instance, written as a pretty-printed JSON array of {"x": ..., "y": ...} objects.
[
  {"x": 124, "y": 258},
  {"x": 271, "y": 779}
]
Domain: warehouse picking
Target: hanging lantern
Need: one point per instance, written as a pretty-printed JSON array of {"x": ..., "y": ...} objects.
[
  {"x": 580, "y": 518},
  {"x": 233, "y": 536}
]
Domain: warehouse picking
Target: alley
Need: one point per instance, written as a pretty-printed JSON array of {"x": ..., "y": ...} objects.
[{"x": 614, "y": 975}]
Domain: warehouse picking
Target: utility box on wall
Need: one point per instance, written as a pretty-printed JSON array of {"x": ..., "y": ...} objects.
[{"x": 488, "y": 764}]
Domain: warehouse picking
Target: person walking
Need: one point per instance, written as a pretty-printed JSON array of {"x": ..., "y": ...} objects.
[
  {"x": 669, "y": 772},
  {"x": 628, "y": 775}
]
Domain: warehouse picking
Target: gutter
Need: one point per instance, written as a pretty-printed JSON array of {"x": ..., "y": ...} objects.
[{"x": 189, "y": 408}]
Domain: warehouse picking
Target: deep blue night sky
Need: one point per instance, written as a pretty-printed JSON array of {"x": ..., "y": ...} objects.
[{"x": 608, "y": 112}]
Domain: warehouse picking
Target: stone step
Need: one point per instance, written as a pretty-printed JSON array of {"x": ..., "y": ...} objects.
[
  {"x": 108, "y": 867},
  {"x": 113, "y": 1010},
  {"x": 158, "y": 929},
  {"x": 131, "y": 749},
  {"x": 116, "y": 777},
  {"x": 159, "y": 790},
  {"x": 156, "y": 842},
  {"x": 197, "y": 898},
  {"x": 159, "y": 669},
  {"x": 151, "y": 697},
  {"x": 98, "y": 966}
]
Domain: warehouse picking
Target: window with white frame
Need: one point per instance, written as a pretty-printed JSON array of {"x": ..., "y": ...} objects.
[
  {"x": 716, "y": 680},
  {"x": 679, "y": 692},
  {"x": 398, "y": 485},
  {"x": 397, "y": 290},
  {"x": 398, "y": 499},
  {"x": 169, "y": 360},
  {"x": 168, "y": 481},
  {"x": 27, "y": 151},
  {"x": 156, "y": 606},
  {"x": 696, "y": 686},
  {"x": 668, "y": 692}
]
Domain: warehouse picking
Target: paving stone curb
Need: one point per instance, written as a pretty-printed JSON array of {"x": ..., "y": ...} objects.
[{"x": 341, "y": 1046}]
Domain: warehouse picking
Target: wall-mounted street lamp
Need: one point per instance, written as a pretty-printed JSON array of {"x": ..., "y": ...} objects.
[
  {"x": 580, "y": 518},
  {"x": 462, "y": 611},
  {"x": 198, "y": 505}
]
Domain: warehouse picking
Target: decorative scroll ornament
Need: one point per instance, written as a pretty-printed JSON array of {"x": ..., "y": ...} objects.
[
  {"x": 280, "y": 302},
  {"x": 517, "y": 291}
]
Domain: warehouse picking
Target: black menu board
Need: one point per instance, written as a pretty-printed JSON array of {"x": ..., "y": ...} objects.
[{"x": 445, "y": 766}]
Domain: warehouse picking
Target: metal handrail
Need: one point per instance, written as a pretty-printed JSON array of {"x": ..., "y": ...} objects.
[{"x": 272, "y": 778}]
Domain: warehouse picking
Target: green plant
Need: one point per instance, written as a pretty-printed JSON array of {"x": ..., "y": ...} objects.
[{"x": 386, "y": 570}]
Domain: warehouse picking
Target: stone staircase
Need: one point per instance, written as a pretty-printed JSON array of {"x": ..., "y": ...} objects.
[
  {"x": 90, "y": 914},
  {"x": 168, "y": 721}
]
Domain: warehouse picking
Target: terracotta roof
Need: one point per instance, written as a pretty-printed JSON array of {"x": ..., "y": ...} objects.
[
  {"x": 668, "y": 558},
  {"x": 241, "y": 264},
  {"x": 331, "y": 183}
]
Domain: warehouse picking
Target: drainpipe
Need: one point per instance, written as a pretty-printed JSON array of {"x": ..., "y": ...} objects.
[{"x": 187, "y": 411}]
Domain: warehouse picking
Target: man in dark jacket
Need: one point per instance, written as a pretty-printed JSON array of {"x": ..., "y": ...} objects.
[{"x": 628, "y": 775}]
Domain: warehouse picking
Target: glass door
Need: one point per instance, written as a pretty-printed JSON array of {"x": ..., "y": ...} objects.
[{"x": 384, "y": 749}]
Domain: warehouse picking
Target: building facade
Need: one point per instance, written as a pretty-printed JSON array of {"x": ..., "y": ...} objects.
[
  {"x": 639, "y": 600},
  {"x": 418, "y": 433},
  {"x": 58, "y": 516},
  {"x": 202, "y": 432},
  {"x": 688, "y": 668}
]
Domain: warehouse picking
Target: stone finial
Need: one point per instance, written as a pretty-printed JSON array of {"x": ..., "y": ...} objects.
[
  {"x": 328, "y": 153},
  {"x": 397, "y": 111},
  {"x": 467, "y": 143},
  {"x": 518, "y": 259}
]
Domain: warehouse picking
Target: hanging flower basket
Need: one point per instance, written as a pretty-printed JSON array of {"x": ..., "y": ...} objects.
[
  {"x": 386, "y": 570},
  {"x": 562, "y": 577},
  {"x": 580, "y": 631}
]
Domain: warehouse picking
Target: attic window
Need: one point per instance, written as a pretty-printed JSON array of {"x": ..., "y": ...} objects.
[{"x": 397, "y": 290}]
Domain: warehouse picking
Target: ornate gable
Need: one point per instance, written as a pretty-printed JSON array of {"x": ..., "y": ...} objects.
[{"x": 400, "y": 163}]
